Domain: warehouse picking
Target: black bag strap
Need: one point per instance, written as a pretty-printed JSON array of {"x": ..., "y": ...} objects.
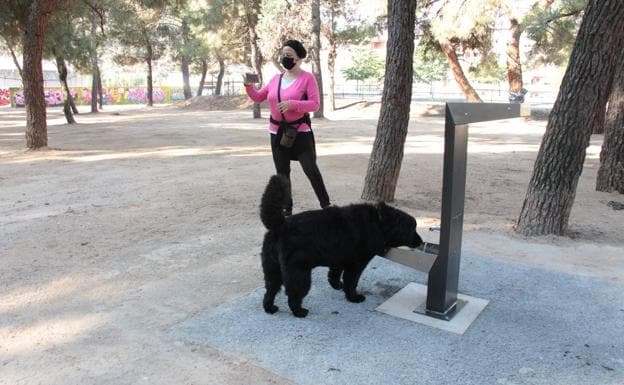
[
  {"x": 279, "y": 93},
  {"x": 304, "y": 119}
]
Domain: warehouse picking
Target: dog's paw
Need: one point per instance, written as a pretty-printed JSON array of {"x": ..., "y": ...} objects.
[
  {"x": 271, "y": 309},
  {"x": 336, "y": 284},
  {"x": 357, "y": 298},
  {"x": 300, "y": 313}
]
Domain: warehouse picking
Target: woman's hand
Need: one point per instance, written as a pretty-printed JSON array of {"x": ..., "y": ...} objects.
[{"x": 283, "y": 106}]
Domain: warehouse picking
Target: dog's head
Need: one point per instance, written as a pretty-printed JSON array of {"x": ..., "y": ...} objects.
[{"x": 398, "y": 227}]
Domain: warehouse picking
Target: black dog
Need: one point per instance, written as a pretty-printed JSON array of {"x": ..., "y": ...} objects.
[{"x": 343, "y": 238}]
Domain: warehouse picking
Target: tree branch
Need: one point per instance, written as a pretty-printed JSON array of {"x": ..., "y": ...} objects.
[
  {"x": 99, "y": 12},
  {"x": 576, "y": 12},
  {"x": 10, "y": 46}
]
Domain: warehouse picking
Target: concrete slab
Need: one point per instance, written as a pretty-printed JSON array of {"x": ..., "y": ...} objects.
[
  {"x": 410, "y": 303},
  {"x": 540, "y": 327}
]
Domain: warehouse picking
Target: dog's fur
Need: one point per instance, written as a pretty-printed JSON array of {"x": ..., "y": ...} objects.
[{"x": 343, "y": 238}]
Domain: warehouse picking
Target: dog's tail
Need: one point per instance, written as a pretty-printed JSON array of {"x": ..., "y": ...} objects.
[{"x": 273, "y": 200}]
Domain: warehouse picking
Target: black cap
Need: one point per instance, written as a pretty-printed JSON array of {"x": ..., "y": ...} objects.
[{"x": 297, "y": 46}]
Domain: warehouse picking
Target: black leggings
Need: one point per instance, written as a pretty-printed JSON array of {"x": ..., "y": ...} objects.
[{"x": 305, "y": 152}]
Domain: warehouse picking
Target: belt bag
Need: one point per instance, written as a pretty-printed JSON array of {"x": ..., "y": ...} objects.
[
  {"x": 289, "y": 130},
  {"x": 289, "y": 134}
]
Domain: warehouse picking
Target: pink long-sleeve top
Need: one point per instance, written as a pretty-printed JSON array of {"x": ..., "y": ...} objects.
[{"x": 304, "y": 84}]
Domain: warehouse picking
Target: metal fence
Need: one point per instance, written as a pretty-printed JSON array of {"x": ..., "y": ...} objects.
[
  {"x": 372, "y": 92},
  {"x": 420, "y": 92},
  {"x": 437, "y": 93}
]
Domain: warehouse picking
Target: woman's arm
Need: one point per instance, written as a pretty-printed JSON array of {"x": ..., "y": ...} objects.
[
  {"x": 314, "y": 101},
  {"x": 256, "y": 95}
]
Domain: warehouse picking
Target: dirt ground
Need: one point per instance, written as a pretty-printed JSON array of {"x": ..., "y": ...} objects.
[{"x": 138, "y": 218}]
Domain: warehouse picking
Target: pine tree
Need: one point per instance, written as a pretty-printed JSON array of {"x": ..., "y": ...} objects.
[
  {"x": 583, "y": 93},
  {"x": 387, "y": 154},
  {"x": 611, "y": 172}
]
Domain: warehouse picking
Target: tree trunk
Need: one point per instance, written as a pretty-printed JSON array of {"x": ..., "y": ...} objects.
[
  {"x": 611, "y": 172},
  {"x": 16, "y": 62},
  {"x": 62, "y": 70},
  {"x": 387, "y": 154},
  {"x": 148, "y": 60},
  {"x": 315, "y": 53},
  {"x": 559, "y": 163},
  {"x": 185, "y": 61},
  {"x": 150, "y": 85},
  {"x": 220, "y": 76},
  {"x": 94, "y": 89},
  {"x": 514, "y": 67},
  {"x": 469, "y": 93},
  {"x": 331, "y": 63},
  {"x": 598, "y": 124},
  {"x": 94, "y": 63},
  {"x": 257, "y": 111},
  {"x": 331, "y": 58},
  {"x": 100, "y": 88},
  {"x": 70, "y": 98},
  {"x": 276, "y": 63},
  {"x": 68, "y": 112},
  {"x": 204, "y": 69},
  {"x": 36, "y": 125},
  {"x": 186, "y": 78},
  {"x": 256, "y": 54}
]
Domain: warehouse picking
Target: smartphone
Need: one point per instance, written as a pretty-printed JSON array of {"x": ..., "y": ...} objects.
[{"x": 251, "y": 78}]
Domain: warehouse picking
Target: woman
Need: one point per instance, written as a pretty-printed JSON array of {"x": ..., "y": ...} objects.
[{"x": 299, "y": 96}]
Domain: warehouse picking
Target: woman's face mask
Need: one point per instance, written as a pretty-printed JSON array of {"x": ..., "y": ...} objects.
[{"x": 288, "y": 62}]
